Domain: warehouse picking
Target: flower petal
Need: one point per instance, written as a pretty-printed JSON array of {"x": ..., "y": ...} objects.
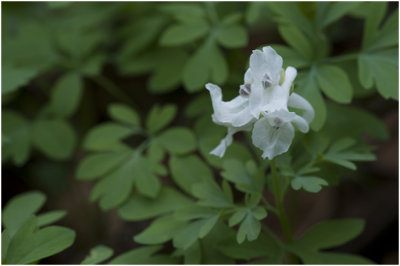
[
  {"x": 301, "y": 124},
  {"x": 296, "y": 101},
  {"x": 232, "y": 113},
  {"x": 227, "y": 141},
  {"x": 271, "y": 140}
]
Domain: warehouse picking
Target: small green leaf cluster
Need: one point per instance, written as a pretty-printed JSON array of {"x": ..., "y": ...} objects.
[
  {"x": 26, "y": 237},
  {"x": 308, "y": 32}
]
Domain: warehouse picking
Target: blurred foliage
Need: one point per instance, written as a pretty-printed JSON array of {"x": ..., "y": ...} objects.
[{"x": 149, "y": 156}]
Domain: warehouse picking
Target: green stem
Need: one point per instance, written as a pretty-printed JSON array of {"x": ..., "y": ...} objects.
[{"x": 278, "y": 200}]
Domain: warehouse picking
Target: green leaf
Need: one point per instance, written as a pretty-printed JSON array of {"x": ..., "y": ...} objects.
[
  {"x": 15, "y": 77},
  {"x": 177, "y": 140},
  {"x": 250, "y": 228},
  {"x": 147, "y": 182},
  {"x": 382, "y": 68},
  {"x": 334, "y": 82},
  {"x": 115, "y": 188},
  {"x": 211, "y": 195},
  {"x": 124, "y": 114},
  {"x": 261, "y": 247},
  {"x": 168, "y": 72},
  {"x": 66, "y": 95},
  {"x": 138, "y": 208},
  {"x": 234, "y": 171},
  {"x": 160, "y": 117},
  {"x": 183, "y": 174},
  {"x": 40, "y": 244},
  {"x": 188, "y": 13},
  {"x": 5, "y": 242},
  {"x": 309, "y": 183},
  {"x": 17, "y": 129},
  {"x": 98, "y": 164},
  {"x": 50, "y": 217},
  {"x": 253, "y": 12},
  {"x": 340, "y": 153},
  {"x": 233, "y": 36},
  {"x": 207, "y": 64},
  {"x": 292, "y": 57},
  {"x": 143, "y": 255},
  {"x": 208, "y": 225},
  {"x": 98, "y": 254},
  {"x": 375, "y": 12},
  {"x": 237, "y": 217},
  {"x": 347, "y": 121},
  {"x": 107, "y": 137},
  {"x": 20, "y": 208},
  {"x": 307, "y": 87},
  {"x": 297, "y": 40},
  {"x": 290, "y": 13},
  {"x": 329, "y": 234},
  {"x": 194, "y": 211},
  {"x": 388, "y": 36},
  {"x": 334, "y": 258},
  {"x": 55, "y": 138},
  {"x": 183, "y": 33},
  {"x": 188, "y": 234},
  {"x": 160, "y": 230},
  {"x": 333, "y": 11}
]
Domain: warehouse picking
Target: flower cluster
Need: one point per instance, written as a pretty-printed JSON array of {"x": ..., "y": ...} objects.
[{"x": 262, "y": 106}]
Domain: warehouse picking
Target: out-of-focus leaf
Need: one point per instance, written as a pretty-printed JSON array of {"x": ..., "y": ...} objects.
[
  {"x": 206, "y": 65},
  {"x": 168, "y": 72},
  {"x": 381, "y": 68},
  {"x": 160, "y": 117},
  {"x": 307, "y": 87},
  {"x": 40, "y": 244},
  {"x": 292, "y": 58},
  {"x": 187, "y": 13},
  {"x": 138, "y": 208},
  {"x": 183, "y": 174},
  {"x": 107, "y": 137},
  {"x": 177, "y": 140},
  {"x": 159, "y": 231},
  {"x": 183, "y": 33},
  {"x": 66, "y": 95},
  {"x": 98, "y": 254},
  {"x": 124, "y": 113},
  {"x": 50, "y": 217},
  {"x": 233, "y": 36},
  {"x": 55, "y": 138},
  {"x": 297, "y": 40},
  {"x": 98, "y": 164},
  {"x": 329, "y": 12},
  {"x": 144, "y": 255},
  {"x": 334, "y": 82},
  {"x": 17, "y": 130},
  {"x": 20, "y": 208}
]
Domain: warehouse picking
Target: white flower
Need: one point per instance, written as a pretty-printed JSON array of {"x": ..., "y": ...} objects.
[{"x": 263, "y": 100}]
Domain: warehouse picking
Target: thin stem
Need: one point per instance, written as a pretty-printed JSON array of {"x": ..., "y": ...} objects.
[
  {"x": 278, "y": 200},
  {"x": 268, "y": 206}
]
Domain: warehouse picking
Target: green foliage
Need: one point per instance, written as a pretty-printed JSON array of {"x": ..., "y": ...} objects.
[
  {"x": 126, "y": 59},
  {"x": 327, "y": 235},
  {"x": 24, "y": 239},
  {"x": 98, "y": 254}
]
